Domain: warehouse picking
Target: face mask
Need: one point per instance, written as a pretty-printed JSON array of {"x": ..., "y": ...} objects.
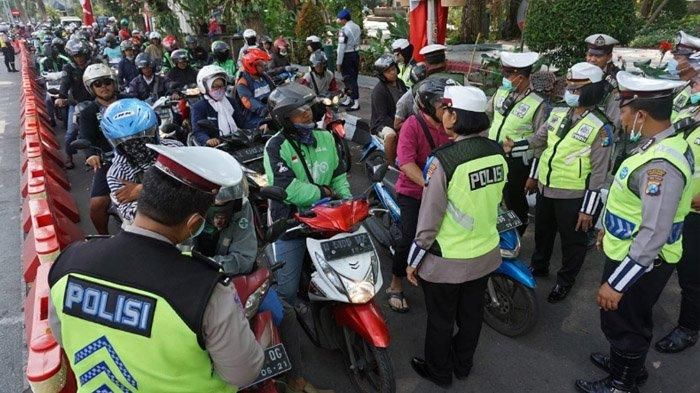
[
  {"x": 571, "y": 99},
  {"x": 695, "y": 98},
  {"x": 218, "y": 94},
  {"x": 130, "y": 58},
  {"x": 200, "y": 229},
  {"x": 305, "y": 133},
  {"x": 672, "y": 67},
  {"x": 634, "y": 133},
  {"x": 507, "y": 84}
]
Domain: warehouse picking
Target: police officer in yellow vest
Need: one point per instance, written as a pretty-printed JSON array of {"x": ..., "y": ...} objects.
[
  {"x": 403, "y": 52},
  {"x": 134, "y": 314},
  {"x": 643, "y": 225},
  {"x": 517, "y": 113},
  {"x": 680, "y": 66},
  {"x": 571, "y": 171},
  {"x": 456, "y": 244},
  {"x": 685, "y": 334}
]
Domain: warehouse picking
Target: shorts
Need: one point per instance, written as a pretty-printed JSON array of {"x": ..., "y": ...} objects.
[{"x": 100, "y": 187}]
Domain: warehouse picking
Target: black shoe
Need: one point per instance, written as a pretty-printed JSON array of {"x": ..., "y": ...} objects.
[
  {"x": 539, "y": 272},
  {"x": 558, "y": 293},
  {"x": 462, "y": 375},
  {"x": 605, "y": 385},
  {"x": 421, "y": 368},
  {"x": 602, "y": 361},
  {"x": 679, "y": 339}
]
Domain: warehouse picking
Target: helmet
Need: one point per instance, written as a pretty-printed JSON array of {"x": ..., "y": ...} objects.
[
  {"x": 124, "y": 22},
  {"x": 170, "y": 42},
  {"x": 178, "y": 56},
  {"x": 95, "y": 72},
  {"x": 229, "y": 194},
  {"x": 418, "y": 73},
  {"x": 207, "y": 75},
  {"x": 318, "y": 58},
  {"x": 265, "y": 40},
  {"x": 383, "y": 63},
  {"x": 281, "y": 45},
  {"x": 46, "y": 49},
  {"x": 431, "y": 91},
  {"x": 285, "y": 99},
  {"x": 112, "y": 19},
  {"x": 154, "y": 35},
  {"x": 190, "y": 40},
  {"x": 77, "y": 47},
  {"x": 126, "y": 44},
  {"x": 136, "y": 32},
  {"x": 143, "y": 60},
  {"x": 110, "y": 38},
  {"x": 220, "y": 50},
  {"x": 47, "y": 39},
  {"x": 57, "y": 44},
  {"x": 128, "y": 125},
  {"x": 252, "y": 58},
  {"x": 249, "y": 35}
]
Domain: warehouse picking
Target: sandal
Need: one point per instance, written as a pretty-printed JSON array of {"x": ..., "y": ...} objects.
[{"x": 401, "y": 298}]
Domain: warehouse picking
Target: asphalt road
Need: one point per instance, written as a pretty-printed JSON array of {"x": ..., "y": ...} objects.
[{"x": 548, "y": 359}]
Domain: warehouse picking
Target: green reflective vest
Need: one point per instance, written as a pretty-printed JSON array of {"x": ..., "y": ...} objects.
[
  {"x": 623, "y": 210},
  {"x": 692, "y": 136},
  {"x": 405, "y": 74},
  {"x": 515, "y": 122},
  {"x": 476, "y": 173},
  {"x": 680, "y": 102},
  {"x": 229, "y": 66},
  {"x": 565, "y": 163}
]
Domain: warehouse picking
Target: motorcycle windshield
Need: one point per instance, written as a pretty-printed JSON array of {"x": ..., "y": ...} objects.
[{"x": 336, "y": 216}]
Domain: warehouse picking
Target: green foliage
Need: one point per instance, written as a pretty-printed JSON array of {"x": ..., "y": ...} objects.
[
  {"x": 674, "y": 9},
  {"x": 398, "y": 28},
  {"x": 376, "y": 47},
  {"x": 309, "y": 21},
  {"x": 279, "y": 20},
  {"x": 557, "y": 28},
  {"x": 651, "y": 36},
  {"x": 355, "y": 7}
]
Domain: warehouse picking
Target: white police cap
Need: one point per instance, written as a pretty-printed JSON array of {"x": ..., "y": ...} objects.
[
  {"x": 313, "y": 38},
  {"x": 467, "y": 98},
  {"x": 584, "y": 73},
  {"x": 686, "y": 44},
  {"x": 203, "y": 168},
  {"x": 428, "y": 49},
  {"x": 519, "y": 60},
  {"x": 400, "y": 44},
  {"x": 634, "y": 87},
  {"x": 600, "y": 44}
]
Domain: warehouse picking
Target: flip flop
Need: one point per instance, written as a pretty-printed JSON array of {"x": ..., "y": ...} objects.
[{"x": 397, "y": 296}]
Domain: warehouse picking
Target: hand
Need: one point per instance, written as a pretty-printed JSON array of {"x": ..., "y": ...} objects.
[
  {"x": 328, "y": 192},
  {"x": 508, "y": 145},
  {"x": 94, "y": 162},
  {"x": 608, "y": 298},
  {"x": 530, "y": 186},
  {"x": 599, "y": 239},
  {"x": 213, "y": 142},
  {"x": 584, "y": 223},
  {"x": 695, "y": 203},
  {"x": 61, "y": 102},
  {"x": 129, "y": 192},
  {"x": 411, "y": 275}
]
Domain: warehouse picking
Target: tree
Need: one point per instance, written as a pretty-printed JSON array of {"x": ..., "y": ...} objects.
[{"x": 472, "y": 21}]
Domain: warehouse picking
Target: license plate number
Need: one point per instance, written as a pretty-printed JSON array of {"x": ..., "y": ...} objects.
[
  {"x": 507, "y": 221},
  {"x": 249, "y": 154},
  {"x": 346, "y": 246},
  {"x": 276, "y": 363}
]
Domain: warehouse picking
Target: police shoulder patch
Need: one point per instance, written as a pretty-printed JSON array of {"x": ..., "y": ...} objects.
[{"x": 655, "y": 177}]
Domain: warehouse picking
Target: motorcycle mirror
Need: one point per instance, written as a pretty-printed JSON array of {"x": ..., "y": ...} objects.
[
  {"x": 336, "y": 100},
  {"x": 53, "y": 91},
  {"x": 378, "y": 172},
  {"x": 81, "y": 144},
  {"x": 278, "y": 228},
  {"x": 275, "y": 193}
]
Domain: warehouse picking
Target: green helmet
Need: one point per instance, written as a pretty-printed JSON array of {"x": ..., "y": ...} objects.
[{"x": 124, "y": 22}]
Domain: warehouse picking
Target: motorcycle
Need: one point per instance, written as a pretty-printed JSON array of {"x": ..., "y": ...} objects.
[
  {"x": 167, "y": 129},
  {"x": 340, "y": 278},
  {"x": 286, "y": 76},
  {"x": 52, "y": 82}
]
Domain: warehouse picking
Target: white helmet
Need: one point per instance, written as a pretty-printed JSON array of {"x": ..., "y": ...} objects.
[
  {"x": 95, "y": 72},
  {"x": 207, "y": 75},
  {"x": 249, "y": 33},
  {"x": 154, "y": 35}
]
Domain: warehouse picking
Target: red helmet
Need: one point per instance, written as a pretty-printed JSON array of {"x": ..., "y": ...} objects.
[
  {"x": 281, "y": 43},
  {"x": 252, "y": 58},
  {"x": 170, "y": 42}
]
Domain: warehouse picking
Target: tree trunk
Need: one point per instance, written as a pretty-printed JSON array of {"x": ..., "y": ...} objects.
[
  {"x": 646, "y": 8},
  {"x": 510, "y": 28},
  {"x": 656, "y": 13},
  {"x": 472, "y": 18}
]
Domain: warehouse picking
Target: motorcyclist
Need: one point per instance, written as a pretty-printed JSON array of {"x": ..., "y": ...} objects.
[
  {"x": 386, "y": 93},
  {"x": 319, "y": 78},
  {"x": 181, "y": 74},
  {"x": 313, "y": 44},
  {"x": 198, "y": 55},
  {"x": 265, "y": 43},
  {"x": 280, "y": 58},
  {"x": 403, "y": 51},
  {"x": 155, "y": 49},
  {"x": 124, "y": 30},
  {"x": 128, "y": 125},
  {"x": 136, "y": 39},
  {"x": 59, "y": 46},
  {"x": 102, "y": 84},
  {"x": 305, "y": 162},
  {"x": 52, "y": 61},
  {"x": 72, "y": 90},
  {"x": 170, "y": 45},
  {"x": 254, "y": 86},
  {"x": 250, "y": 38},
  {"x": 112, "y": 53},
  {"x": 216, "y": 107},
  {"x": 127, "y": 67},
  {"x": 221, "y": 56},
  {"x": 148, "y": 84}
]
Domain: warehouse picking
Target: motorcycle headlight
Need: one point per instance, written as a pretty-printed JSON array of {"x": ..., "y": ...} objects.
[
  {"x": 254, "y": 300},
  {"x": 330, "y": 273},
  {"x": 359, "y": 292}
]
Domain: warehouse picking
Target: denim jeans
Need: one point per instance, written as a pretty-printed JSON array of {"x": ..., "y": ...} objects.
[
  {"x": 71, "y": 131},
  {"x": 291, "y": 252},
  {"x": 50, "y": 108}
]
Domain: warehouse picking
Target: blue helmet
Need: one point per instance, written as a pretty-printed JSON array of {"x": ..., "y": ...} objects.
[{"x": 130, "y": 124}]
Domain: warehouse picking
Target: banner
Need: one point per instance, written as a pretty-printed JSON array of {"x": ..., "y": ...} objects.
[
  {"x": 88, "y": 18},
  {"x": 417, "y": 20}
]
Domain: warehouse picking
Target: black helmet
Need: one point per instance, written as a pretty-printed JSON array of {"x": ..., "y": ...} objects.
[
  {"x": 220, "y": 50},
  {"x": 143, "y": 60},
  {"x": 178, "y": 56},
  {"x": 265, "y": 40},
  {"x": 76, "y": 47},
  {"x": 191, "y": 40},
  {"x": 110, "y": 39},
  {"x": 429, "y": 92},
  {"x": 46, "y": 49},
  {"x": 418, "y": 73},
  {"x": 318, "y": 58},
  {"x": 285, "y": 99},
  {"x": 57, "y": 44},
  {"x": 383, "y": 63}
]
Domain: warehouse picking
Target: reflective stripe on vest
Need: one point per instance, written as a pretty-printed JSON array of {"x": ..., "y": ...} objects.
[
  {"x": 565, "y": 163},
  {"x": 623, "y": 210},
  {"x": 517, "y": 124},
  {"x": 125, "y": 339},
  {"x": 680, "y": 102}
]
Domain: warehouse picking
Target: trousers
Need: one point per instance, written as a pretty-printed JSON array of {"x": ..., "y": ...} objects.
[
  {"x": 689, "y": 274},
  {"x": 514, "y": 190},
  {"x": 350, "y": 69},
  {"x": 409, "y": 220}
]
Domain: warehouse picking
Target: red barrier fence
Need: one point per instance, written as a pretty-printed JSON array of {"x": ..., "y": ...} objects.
[{"x": 49, "y": 217}]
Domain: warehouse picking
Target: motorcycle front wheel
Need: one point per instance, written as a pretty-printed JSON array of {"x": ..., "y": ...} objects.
[
  {"x": 515, "y": 311},
  {"x": 369, "y": 367}
]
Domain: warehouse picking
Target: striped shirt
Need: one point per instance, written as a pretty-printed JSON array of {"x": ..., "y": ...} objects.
[{"x": 122, "y": 170}]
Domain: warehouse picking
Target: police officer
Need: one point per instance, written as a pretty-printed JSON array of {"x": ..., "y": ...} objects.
[
  {"x": 456, "y": 242},
  {"x": 653, "y": 185},
  {"x": 348, "y": 58},
  {"x": 517, "y": 112},
  {"x": 600, "y": 48},
  {"x": 686, "y": 333},
  {"x": 141, "y": 303},
  {"x": 403, "y": 51},
  {"x": 571, "y": 171},
  {"x": 679, "y": 66}
]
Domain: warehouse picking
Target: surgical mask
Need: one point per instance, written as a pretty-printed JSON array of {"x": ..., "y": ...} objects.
[
  {"x": 672, "y": 67},
  {"x": 507, "y": 84},
  {"x": 634, "y": 133},
  {"x": 571, "y": 99},
  {"x": 217, "y": 94},
  {"x": 200, "y": 229},
  {"x": 305, "y": 133},
  {"x": 695, "y": 98},
  {"x": 130, "y": 58}
]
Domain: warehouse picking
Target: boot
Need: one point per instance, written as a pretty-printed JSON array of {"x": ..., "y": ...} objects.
[
  {"x": 679, "y": 339},
  {"x": 625, "y": 369},
  {"x": 602, "y": 361}
]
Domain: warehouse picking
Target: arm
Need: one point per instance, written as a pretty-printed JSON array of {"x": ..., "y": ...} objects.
[
  {"x": 236, "y": 355},
  {"x": 339, "y": 183},
  {"x": 599, "y": 157},
  {"x": 243, "y": 246},
  {"x": 89, "y": 126},
  {"x": 299, "y": 192},
  {"x": 248, "y": 99},
  {"x": 199, "y": 113},
  {"x": 432, "y": 211},
  {"x": 382, "y": 114},
  {"x": 406, "y": 153},
  {"x": 119, "y": 171},
  {"x": 342, "y": 42}
]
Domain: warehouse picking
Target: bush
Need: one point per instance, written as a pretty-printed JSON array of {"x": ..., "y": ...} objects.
[
  {"x": 651, "y": 36},
  {"x": 558, "y": 28},
  {"x": 309, "y": 22}
]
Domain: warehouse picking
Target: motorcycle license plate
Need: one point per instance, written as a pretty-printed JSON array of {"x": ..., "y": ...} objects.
[
  {"x": 346, "y": 246},
  {"x": 507, "y": 221},
  {"x": 249, "y": 154},
  {"x": 276, "y": 363}
]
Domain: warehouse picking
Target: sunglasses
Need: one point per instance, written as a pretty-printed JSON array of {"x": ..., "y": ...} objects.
[{"x": 103, "y": 82}]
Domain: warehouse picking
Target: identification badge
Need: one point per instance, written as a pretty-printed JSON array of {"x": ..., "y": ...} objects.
[
  {"x": 521, "y": 110},
  {"x": 582, "y": 133}
]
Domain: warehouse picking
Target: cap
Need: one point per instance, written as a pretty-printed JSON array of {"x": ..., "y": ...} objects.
[
  {"x": 634, "y": 87},
  {"x": 600, "y": 44},
  {"x": 686, "y": 44},
  {"x": 203, "y": 168},
  {"x": 467, "y": 98},
  {"x": 313, "y": 38},
  {"x": 400, "y": 44},
  {"x": 344, "y": 14},
  {"x": 510, "y": 60},
  {"x": 584, "y": 73},
  {"x": 434, "y": 54}
]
